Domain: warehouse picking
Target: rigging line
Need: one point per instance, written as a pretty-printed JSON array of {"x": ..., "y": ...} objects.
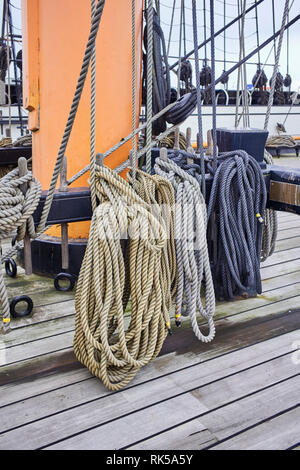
[
  {"x": 274, "y": 26},
  {"x": 199, "y": 106},
  {"x": 171, "y": 27},
  {"x": 287, "y": 46},
  {"x": 204, "y": 26},
  {"x": 224, "y": 36},
  {"x": 257, "y": 34},
  {"x": 17, "y": 8},
  {"x": 93, "y": 119},
  {"x": 228, "y": 25},
  {"x": 8, "y": 66},
  {"x": 171, "y": 105},
  {"x": 184, "y": 25},
  {"x": 245, "y": 93},
  {"x": 149, "y": 83},
  {"x": 179, "y": 57},
  {"x": 133, "y": 32},
  {"x": 257, "y": 80},
  {"x": 213, "y": 85},
  {"x": 275, "y": 71}
]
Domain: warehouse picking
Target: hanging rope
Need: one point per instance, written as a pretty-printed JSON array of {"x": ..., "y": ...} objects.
[
  {"x": 102, "y": 342},
  {"x": 93, "y": 119},
  {"x": 149, "y": 83},
  {"x": 191, "y": 249},
  {"x": 276, "y": 65},
  {"x": 133, "y": 81},
  {"x": 238, "y": 197},
  {"x": 213, "y": 84},
  {"x": 270, "y": 226},
  {"x": 198, "y": 91}
]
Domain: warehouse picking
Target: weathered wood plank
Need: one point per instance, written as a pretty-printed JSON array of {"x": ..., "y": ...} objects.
[
  {"x": 287, "y": 244},
  {"x": 44, "y": 313},
  {"x": 285, "y": 234},
  {"x": 208, "y": 430},
  {"x": 38, "y": 331},
  {"x": 283, "y": 268},
  {"x": 63, "y": 340},
  {"x": 141, "y": 424},
  {"x": 84, "y": 391},
  {"x": 22, "y": 380},
  {"x": 278, "y": 433},
  {"x": 282, "y": 256},
  {"x": 32, "y": 332}
]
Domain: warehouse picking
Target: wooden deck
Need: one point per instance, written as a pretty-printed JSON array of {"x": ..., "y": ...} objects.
[{"x": 239, "y": 392}]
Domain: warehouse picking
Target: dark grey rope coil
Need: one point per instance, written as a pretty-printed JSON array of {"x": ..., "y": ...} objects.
[{"x": 238, "y": 199}]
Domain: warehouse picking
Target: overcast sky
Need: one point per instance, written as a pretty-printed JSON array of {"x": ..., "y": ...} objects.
[
  {"x": 265, "y": 21},
  {"x": 265, "y": 28}
]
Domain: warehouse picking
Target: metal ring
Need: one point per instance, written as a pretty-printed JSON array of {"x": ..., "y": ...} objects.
[
  {"x": 11, "y": 267},
  {"x": 15, "y": 301},
  {"x": 64, "y": 276}
]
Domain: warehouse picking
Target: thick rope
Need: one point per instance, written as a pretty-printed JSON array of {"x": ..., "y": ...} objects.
[
  {"x": 72, "y": 114},
  {"x": 238, "y": 197},
  {"x": 270, "y": 226},
  {"x": 16, "y": 211},
  {"x": 149, "y": 83},
  {"x": 133, "y": 79},
  {"x": 280, "y": 141},
  {"x": 102, "y": 342},
  {"x": 198, "y": 89},
  {"x": 191, "y": 249},
  {"x": 93, "y": 118}
]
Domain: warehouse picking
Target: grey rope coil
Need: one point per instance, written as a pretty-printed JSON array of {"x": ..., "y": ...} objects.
[
  {"x": 238, "y": 198},
  {"x": 191, "y": 249}
]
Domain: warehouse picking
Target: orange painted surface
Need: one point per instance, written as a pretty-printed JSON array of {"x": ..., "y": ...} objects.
[{"x": 55, "y": 36}]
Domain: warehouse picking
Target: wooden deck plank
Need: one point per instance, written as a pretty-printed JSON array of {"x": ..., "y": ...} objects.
[
  {"x": 208, "y": 430},
  {"x": 39, "y": 330},
  {"x": 282, "y": 256},
  {"x": 141, "y": 424},
  {"x": 287, "y": 244},
  {"x": 88, "y": 390},
  {"x": 285, "y": 234},
  {"x": 278, "y": 433},
  {"x": 32, "y": 377},
  {"x": 63, "y": 340}
]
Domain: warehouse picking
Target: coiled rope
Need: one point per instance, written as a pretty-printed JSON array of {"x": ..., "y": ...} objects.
[
  {"x": 191, "y": 249},
  {"x": 281, "y": 141},
  {"x": 238, "y": 197},
  {"x": 16, "y": 211},
  {"x": 101, "y": 340}
]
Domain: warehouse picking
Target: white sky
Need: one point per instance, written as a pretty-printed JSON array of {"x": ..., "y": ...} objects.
[{"x": 265, "y": 21}]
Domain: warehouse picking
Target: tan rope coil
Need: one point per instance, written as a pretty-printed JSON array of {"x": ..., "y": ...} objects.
[
  {"x": 102, "y": 343},
  {"x": 16, "y": 211},
  {"x": 280, "y": 141},
  {"x": 169, "y": 141}
]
